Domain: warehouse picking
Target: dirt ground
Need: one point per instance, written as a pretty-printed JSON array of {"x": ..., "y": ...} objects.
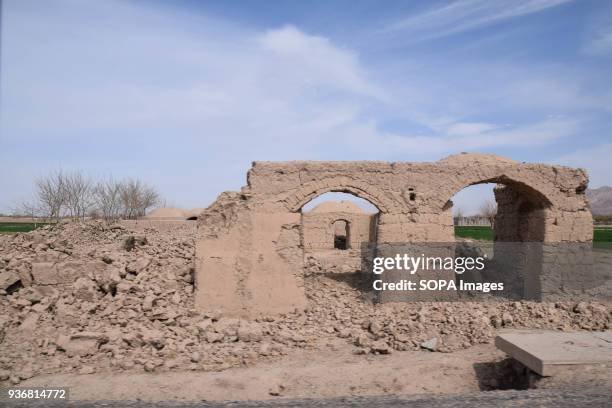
[{"x": 332, "y": 370}]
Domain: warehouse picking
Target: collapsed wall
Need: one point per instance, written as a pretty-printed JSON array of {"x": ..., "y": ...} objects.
[
  {"x": 91, "y": 297},
  {"x": 250, "y": 248}
]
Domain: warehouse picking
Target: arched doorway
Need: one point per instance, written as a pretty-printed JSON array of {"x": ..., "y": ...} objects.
[
  {"x": 334, "y": 229},
  {"x": 342, "y": 232},
  {"x": 505, "y": 222},
  {"x": 512, "y": 211}
]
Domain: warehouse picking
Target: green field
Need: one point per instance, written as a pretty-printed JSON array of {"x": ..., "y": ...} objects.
[
  {"x": 600, "y": 235},
  {"x": 481, "y": 233},
  {"x": 14, "y": 227}
]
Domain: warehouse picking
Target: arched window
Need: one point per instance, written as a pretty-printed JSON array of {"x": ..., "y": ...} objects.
[
  {"x": 341, "y": 234},
  {"x": 507, "y": 211}
]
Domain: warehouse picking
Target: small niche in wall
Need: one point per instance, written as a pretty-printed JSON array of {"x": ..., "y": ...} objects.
[{"x": 411, "y": 194}]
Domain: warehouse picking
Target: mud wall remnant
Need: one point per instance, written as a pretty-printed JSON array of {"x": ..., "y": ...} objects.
[
  {"x": 323, "y": 224},
  {"x": 320, "y": 223},
  {"x": 250, "y": 248}
]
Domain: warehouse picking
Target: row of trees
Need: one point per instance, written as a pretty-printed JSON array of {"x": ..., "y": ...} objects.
[
  {"x": 488, "y": 210},
  {"x": 72, "y": 194}
]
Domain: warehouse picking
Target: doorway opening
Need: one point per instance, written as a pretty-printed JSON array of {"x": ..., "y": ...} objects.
[
  {"x": 342, "y": 232},
  {"x": 335, "y": 230}
]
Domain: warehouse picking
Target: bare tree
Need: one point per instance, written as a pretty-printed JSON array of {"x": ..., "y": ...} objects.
[
  {"x": 79, "y": 194},
  {"x": 136, "y": 197},
  {"x": 129, "y": 198},
  {"x": 458, "y": 215},
  {"x": 149, "y": 198},
  {"x": 25, "y": 209},
  {"x": 51, "y": 194},
  {"x": 488, "y": 209},
  {"x": 72, "y": 194},
  {"x": 107, "y": 195},
  {"x": 29, "y": 209}
]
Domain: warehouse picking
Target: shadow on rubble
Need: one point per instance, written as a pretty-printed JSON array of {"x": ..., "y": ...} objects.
[{"x": 355, "y": 280}]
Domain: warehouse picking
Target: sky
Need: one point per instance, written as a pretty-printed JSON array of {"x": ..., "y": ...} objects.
[{"x": 186, "y": 94}]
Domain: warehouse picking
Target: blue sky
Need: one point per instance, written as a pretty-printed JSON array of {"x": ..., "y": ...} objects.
[{"x": 185, "y": 94}]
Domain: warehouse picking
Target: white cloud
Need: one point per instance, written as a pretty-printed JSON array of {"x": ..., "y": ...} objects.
[
  {"x": 369, "y": 138},
  {"x": 155, "y": 86},
  {"x": 129, "y": 77},
  {"x": 189, "y": 95},
  {"x": 318, "y": 61},
  {"x": 561, "y": 92},
  {"x": 464, "y": 15},
  {"x": 468, "y": 129}
]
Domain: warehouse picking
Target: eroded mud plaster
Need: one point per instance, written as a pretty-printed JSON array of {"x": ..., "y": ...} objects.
[{"x": 250, "y": 247}]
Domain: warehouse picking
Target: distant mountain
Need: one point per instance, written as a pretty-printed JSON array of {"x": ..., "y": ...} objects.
[{"x": 600, "y": 200}]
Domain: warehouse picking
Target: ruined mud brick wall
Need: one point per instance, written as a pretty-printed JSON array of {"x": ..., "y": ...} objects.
[
  {"x": 249, "y": 252},
  {"x": 318, "y": 229},
  {"x": 323, "y": 223}
]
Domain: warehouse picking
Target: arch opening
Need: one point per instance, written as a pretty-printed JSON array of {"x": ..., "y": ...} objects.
[
  {"x": 505, "y": 223},
  {"x": 359, "y": 194},
  {"x": 334, "y": 229},
  {"x": 499, "y": 210},
  {"x": 338, "y": 196},
  {"x": 342, "y": 233}
]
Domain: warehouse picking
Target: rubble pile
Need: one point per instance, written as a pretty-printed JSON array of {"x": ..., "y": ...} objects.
[{"x": 87, "y": 297}]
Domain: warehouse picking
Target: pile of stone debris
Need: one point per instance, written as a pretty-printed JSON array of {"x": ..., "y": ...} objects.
[{"x": 87, "y": 297}]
